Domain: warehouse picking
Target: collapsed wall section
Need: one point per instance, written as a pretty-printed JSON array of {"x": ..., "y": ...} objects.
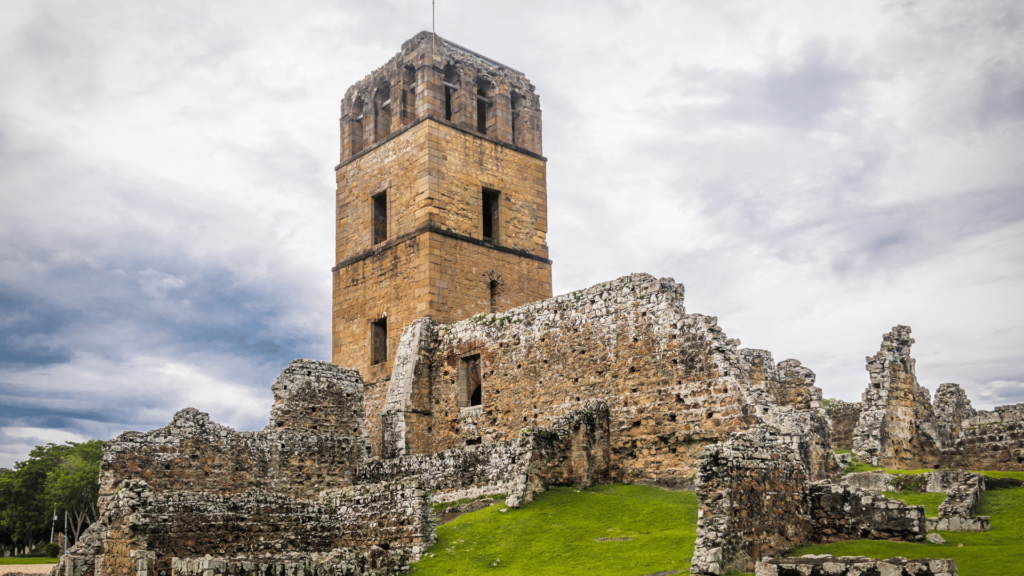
[
  {"x": 195, "y": 489},
  {"x": 897, "y": 428},
  {"x": 309, "y": 445},
  {"x": 360, "y": 519},
  {"x": 844, "y": 416},
  {"x": 574, "y": 450},
  {"x": 756, "y": 502},
  {"x": 990, "y": 440}
]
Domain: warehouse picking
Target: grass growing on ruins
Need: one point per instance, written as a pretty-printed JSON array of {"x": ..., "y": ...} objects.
[
  {"x": 856, "y": 465},
  {"x": 440, "y": 506},
  {"x": 6, "y": 561},
  {"x": 930, "y": 500},
  {"x": 608, "y": 529},
  {"x": 995, "y": 553},
  {"x": 1015, "y": 475}
]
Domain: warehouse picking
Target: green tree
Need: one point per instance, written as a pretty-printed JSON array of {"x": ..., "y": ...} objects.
[
  {"x": 24, "y": 510},
  {"x": 73, "y": 486}
]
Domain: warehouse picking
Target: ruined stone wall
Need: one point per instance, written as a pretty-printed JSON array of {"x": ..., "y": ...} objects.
[
  {"x": 952, "y": 410},
  {"x": 254, "y": 524},
  {"x": 195, "y": 488},
  {"x": 796, "y": 386},
  {"x": 752, "y": 505},
  {"x": 841, "y": 512},
  {"x": 340, "y": 562},
  {"x": 855, "y": 566},
  {"x": 756, "y": 502},
  {"x": 673, "y": 382},
  {"x": 844, "y": 416},
  {"x": 310, "y": 444},
  {"x": 897, "y": 428},
  {"x": 670, "y": 379},
  {"x": 991, "y": 441},
  {"x": 574, "y": 450}
]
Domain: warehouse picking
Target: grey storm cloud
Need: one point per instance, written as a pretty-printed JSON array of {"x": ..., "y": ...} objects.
[{"x": 813, "y": 172}]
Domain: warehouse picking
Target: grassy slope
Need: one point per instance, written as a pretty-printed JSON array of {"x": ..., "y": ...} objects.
[
  {"x": 930, "y": 500},
  {"x": 996, "y": 553},
  {"x": 555, "y": 534},
  {"x": 6, "y": 561}
]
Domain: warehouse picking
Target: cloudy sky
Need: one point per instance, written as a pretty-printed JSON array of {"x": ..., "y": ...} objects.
[{"x": 814, "y": 172}]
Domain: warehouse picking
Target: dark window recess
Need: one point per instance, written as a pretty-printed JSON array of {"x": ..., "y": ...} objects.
[
  {"x": 470, "y": 381},
  {"x": 490, "y": 215},
  {"x": 379, "y": 341},
  {"x": 380, "y": 218},
  {"x": 494, "y": 295},
  {"x": 451, "y": 84},
  {"x": 481, "y": 112}
]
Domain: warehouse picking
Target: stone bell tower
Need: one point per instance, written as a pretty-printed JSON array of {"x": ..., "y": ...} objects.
[{"x": 441, "y": 202}]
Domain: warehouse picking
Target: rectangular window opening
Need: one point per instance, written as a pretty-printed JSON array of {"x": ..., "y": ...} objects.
[
  {"x": 447, "y": 103},
  {"x": 482, "y": 104},
  {"x": 380, "y": 218},
  {"x": 379, "y": 341},
  {"x": 494, "y": 295},
  {"x": 470, "y": 381},
  {"x": 490, "y": 215}
]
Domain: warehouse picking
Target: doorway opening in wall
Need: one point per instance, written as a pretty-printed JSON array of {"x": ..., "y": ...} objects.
[
  {"x": 490, "y": 205},
  {"x": 470, "y": 381},
  {"x": 379, "y": 341},
  {"x": 380, "y": 217}
]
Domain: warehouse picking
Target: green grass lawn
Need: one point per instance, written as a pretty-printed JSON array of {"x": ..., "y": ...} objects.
[
  {"x": 5, "y": 561},
  {"x": 1015, "y": 475},
  {"x": 930, "y": 500},
  {"x": 645, "y": 529},
  {"x": 996, "y": 553}
]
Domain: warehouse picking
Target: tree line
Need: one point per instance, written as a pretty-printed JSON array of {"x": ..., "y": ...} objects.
[{"x": 56, "y": 480}]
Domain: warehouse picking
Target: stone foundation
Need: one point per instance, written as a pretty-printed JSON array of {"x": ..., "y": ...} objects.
[{"x": 854, "y": 566}]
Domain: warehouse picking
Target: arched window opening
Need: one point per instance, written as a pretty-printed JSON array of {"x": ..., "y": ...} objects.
[
  {"x": 356, "y": 125},
  {"x": 383, "y": 102}
]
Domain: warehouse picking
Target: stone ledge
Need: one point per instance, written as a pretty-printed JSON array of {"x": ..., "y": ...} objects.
[
  {"x": 854, "y": 565},
  {"x": 960, "y": 524}
]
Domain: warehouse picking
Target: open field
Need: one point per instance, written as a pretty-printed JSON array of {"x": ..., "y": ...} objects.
[{"x": 609, "y": 529}]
